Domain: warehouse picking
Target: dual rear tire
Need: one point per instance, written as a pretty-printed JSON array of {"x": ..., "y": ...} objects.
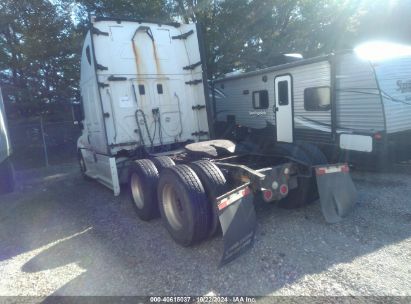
[
  {"x": 183, "y": 195},
  {"x": 143, "y": 181},
  {"x": 214, "y": 184},
  {"x": 184, "y": 206}
]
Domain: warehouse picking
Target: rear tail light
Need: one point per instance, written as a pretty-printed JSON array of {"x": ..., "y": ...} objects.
[
  {"x": 284, "y": 189},
  {"x": 377, "y": 136},
  {"x": 268, "y": 195}
]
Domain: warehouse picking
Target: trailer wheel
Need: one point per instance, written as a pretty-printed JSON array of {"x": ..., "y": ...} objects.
[
  {"x": 299, "y": 197},
  {"x": 6, "y": 177},
  {"x": 290, "y": 150},
  {"x": 143, "y": 180},
  {"x": 307, "y": 191},
  {"x": 162, "y": 162},
  {"x": 183, "y": 205},
  {"x": 316, "y": 155},
  {"x": 317, "y": 158},
  {"x": 214, "y": 184}
]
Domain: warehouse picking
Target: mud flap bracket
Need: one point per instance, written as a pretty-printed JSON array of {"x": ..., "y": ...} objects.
[{"x": 337, "y": 191}]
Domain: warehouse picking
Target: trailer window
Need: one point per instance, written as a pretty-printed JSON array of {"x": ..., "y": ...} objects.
[
  {"x": 141, "y": 89},
  {"x": 260, "y": 99},
  {"x": 160, "y": 88},
  {"x": 317, "y": 99},
  {"x": 283, "y": 92}
]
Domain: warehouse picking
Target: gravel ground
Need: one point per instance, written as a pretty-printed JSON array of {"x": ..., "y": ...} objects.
[{"x": 61, "y": 235}]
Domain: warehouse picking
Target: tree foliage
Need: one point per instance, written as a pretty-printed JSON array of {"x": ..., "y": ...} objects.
[
  {"x": 40, "y": 41},
  {"x": 39, "y": 58}
]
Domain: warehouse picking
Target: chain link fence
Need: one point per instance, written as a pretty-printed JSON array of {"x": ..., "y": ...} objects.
[{"x": 39, "y": 144}]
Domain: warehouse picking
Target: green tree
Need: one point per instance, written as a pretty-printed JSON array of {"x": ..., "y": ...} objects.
[
  {"x": 40, "y": 41},
  {"x": 141, "y": 9},
  {"x": 38, "y": 55}
]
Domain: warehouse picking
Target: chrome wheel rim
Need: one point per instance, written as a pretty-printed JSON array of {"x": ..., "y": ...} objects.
[
  {"x": 136, "y": 191},
  {"x": 173, "y": 208}
]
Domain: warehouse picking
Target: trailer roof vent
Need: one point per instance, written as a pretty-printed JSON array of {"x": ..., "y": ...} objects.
[
  {"x": 286, "y": 58},
  {"x": 234, "y": 73}
]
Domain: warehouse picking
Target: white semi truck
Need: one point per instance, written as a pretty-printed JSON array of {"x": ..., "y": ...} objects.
[
  {"x": 147, "y": 123},
  {"x": 6, "y": 168}
]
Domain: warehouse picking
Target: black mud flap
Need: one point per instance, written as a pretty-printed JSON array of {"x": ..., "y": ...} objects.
[
  {"x": 337, "y": 191},
  {"x": 238, "y": 222}
]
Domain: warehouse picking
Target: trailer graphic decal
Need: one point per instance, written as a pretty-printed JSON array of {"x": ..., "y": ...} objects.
[{"x": 312, "y": 124}]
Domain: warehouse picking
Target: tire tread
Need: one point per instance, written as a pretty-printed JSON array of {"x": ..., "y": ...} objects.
[
  {"x": 185, "y": 177},
  {"x": 149, "y": 176},
  {"x": 214, "y": 185},
  {"x": 162, "y": 162}
]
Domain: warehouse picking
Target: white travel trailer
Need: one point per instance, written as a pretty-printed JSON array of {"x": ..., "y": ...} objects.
[
  {"x": 146, "y": 123},
  {"x": 6, "y": 169},
  {"x": 352, "y": 107}
]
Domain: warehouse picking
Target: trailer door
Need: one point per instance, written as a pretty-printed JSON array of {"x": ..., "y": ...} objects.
[{"x": 283, "y": 108}]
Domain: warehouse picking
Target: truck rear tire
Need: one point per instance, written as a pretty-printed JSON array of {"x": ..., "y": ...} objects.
[
  {"x": 143, "y": 180},
  {"x": 162, "y": 162},
  {"x": 183, "y": 205},
  {"x": 6, "y": 177},
  {"x": 214, "y": 184}
]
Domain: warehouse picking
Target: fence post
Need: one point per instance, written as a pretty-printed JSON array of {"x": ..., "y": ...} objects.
[{"x": 46, "y": 157}]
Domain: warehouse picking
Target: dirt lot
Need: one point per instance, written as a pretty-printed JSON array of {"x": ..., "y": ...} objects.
[{"x": 61, "y": 235}]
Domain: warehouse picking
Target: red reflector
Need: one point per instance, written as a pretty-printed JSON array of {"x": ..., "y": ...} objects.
[
  {"x": 268, "y": 195},
  {"x": 332, "y": 169},
  {"x": 246, "y": 191},
  {"x": 283, "y": 189},
  {"x": 377, "y": 136},
  {"x": 223, "y": 204},
  {"x": 320, "y": 171},
  {"x": 234, "y": 197}
]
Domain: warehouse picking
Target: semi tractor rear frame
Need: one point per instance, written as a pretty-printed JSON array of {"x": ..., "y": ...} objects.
[{"x": 147, "y": 123}]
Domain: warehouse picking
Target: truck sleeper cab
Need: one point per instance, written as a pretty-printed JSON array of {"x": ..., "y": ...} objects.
[{"x": 141, "y": 90}]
